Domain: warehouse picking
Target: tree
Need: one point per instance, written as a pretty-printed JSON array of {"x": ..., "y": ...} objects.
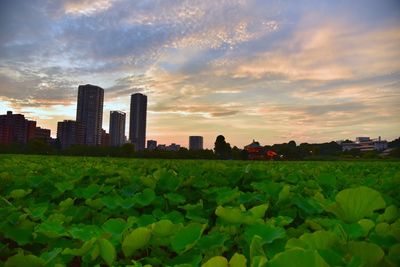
[{"x": 222, "y": 149}]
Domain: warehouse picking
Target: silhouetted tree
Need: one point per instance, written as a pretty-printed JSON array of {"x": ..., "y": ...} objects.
[{"x": 222, "y": 149}]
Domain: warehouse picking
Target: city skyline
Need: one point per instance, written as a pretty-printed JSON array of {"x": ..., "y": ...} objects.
[{"x": 310, "y": 71}]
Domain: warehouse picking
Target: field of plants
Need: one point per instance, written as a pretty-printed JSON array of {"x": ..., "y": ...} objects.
[{"x": 71, "y": 211}]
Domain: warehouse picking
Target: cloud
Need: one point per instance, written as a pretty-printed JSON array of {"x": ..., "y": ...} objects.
[{"x": 272, "y": 69}]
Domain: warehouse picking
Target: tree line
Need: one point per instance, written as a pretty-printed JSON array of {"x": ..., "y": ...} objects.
[{"x": 222, "y": 150}]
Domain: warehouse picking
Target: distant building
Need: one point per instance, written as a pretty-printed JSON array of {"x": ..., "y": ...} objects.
[
  {"x": 90, "y": 112},
  {"x": 173, "y": 147},
  {"x": 161, "y": 147},
  {"x": 43, "y": 134},
  {"x": 15, "y": 128},
  {"x": 70, "y": 133},
  {"x": 151, "y": 144},
  {"x": 256, "y": 151},
  {"x": 137, "y": 126},
  {"x": 365, "y": 144},
  {"x": 195, "y": 142},
  {"x": 117, "y": 128},
  {"x": 30, "y": 130},
  {"x": 105, "y": 138}
]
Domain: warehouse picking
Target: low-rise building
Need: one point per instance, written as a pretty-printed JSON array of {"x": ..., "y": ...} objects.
[
  {"x": 151, "y": 144},
  {"x": 173, "y": 147},
  {"x": 365, "y": 144}
]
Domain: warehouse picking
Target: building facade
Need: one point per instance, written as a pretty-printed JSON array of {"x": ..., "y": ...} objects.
[
  {"x": 105, "y": 138},
  {"x": 173, "y": 147},
  {"x": 70, "y": 133},
  {"x": 90, "y": 112},
  {"x": 43, "y": 134},
  {"x": 365, "y": 144},
  {"x": 151, "y": 144},
  {"x": 117, "y": 128},
  {"x": 14, "y": 128},
  {"x": 195, "y": 142},
  {"x": 137, "y": 125}
]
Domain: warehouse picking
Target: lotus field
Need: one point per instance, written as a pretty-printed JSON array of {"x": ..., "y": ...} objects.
[{"x": 75, "y": 211}]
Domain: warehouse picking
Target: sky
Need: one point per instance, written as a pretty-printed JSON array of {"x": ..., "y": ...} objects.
[{"x": 269, "y": 70}]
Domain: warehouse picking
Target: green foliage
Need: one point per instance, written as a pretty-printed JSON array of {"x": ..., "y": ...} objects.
[
  {"x": 357, "y": 203},
  {"x": 137, "y": 239},
  {"x": 65, "y": 211}
]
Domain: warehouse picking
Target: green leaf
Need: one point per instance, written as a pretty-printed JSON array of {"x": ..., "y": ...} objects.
[
  {"x": 259, "y": 261},
  {"x": 370, "y": 253},
  {"x": 19, "y": 193},
  {"x": 284, "y": 194},
  {"x": 82, "y": 250},
  {"x": 299, "y": 258},
  {"x": 137, "y": 239},
  {"x": 110, "y": 201},
  {"x": 51, "y": 228},
  {"x": 316, "y": 240},
  {"x": 90, "y": 191},
  {"x": 84, "y": 232},
  {"x": 163, "y": 228},
  {"x": 107, "y": 251},
  {"x": 21, "y": 233},
  {"x": 357, "y": 203},
  {"x": 175, "y": 199},
  {"x": 383, "y": 229},
  {"x": 268, "y": 233},
  {"x": 391, "y": 214},
  {"x": 50, "y": 255},
  {"x": 366, "y": 225},
  {"x": 19, "y": 260},
  {"x": 114, "y": 225},
  {"x": 256, "y": 247},
  {"x": 238, "y": 260},
  {"x": 259, "y": 211},
  {"x": 64, "y": 186},
  {"x": 212, "y": 240},
  {"x": 67, "y": 203},
  {"x": 217, "y": 261},
  {"x": 186, "y": 237},
  {"x": 231, "y": 215},
  {"x": 146, "y": 197}
]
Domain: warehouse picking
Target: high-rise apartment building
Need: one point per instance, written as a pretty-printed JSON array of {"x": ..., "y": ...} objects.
[
  {"x": 137, "y": 126},
  {"x": 90, "y": 112},
  {"x": 70, "y": 133},
  {"x": 15, "y": 128},
  {"x": 195, "y": 142},
  {"x": 117, "y": 128}
]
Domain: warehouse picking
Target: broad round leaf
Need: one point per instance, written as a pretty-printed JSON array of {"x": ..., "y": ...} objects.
[
  {"x": 22, "y": 260},
  {"x": 217, "y": 261},
  {"x": 299, "y": 258},
  {"x": 137, "y": 239},
  {"x": 357, "y": 203},
  {"x": 107, "y": 251}
]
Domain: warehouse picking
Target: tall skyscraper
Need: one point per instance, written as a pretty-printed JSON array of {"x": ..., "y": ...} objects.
[
  {"x": 117, "y": 128},
  {"x": 90, "y": 112},
  {"x": 70, "y": 133},
  {"x": 137, "y": 126},
  {"x": 195, "y": 142}
]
